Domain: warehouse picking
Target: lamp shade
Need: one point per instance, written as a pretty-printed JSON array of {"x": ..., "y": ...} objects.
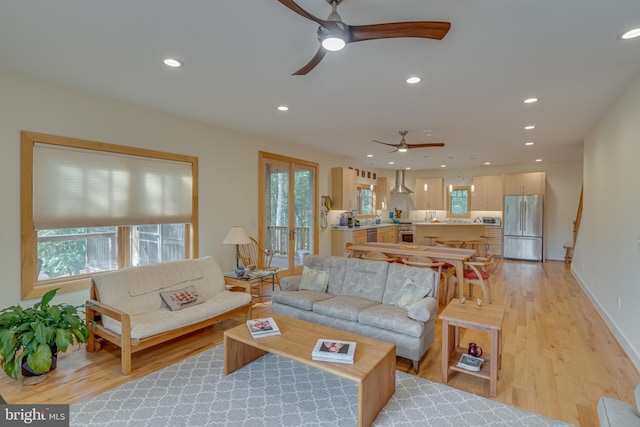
[{"x": 236, "y": 236}]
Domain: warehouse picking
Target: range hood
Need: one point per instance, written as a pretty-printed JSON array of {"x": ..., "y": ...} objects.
[{"x": 400, "y": 188}]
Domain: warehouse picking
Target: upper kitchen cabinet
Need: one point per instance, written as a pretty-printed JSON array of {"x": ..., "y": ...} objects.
[
  {"x": 429, "y": 193},
  {"x": 524, "y": 183},
  {"x": 343, "y": 189},
  {"x": 383, "y": 193},
  {"x": 488, "y": 193}
]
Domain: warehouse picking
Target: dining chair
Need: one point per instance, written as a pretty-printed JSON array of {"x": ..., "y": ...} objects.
[
  {"x": 477, "y": 274},
  {"x": 255, "y": 257},
  {"x": 348, "y": 252},
  {"x": 426, "y": 262},
  {"x": 375, "y": 256}
]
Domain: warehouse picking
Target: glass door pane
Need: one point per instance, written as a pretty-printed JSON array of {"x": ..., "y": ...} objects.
[
  {"x": 303, "y": 190},
  {"x": 276, "y": 212}
]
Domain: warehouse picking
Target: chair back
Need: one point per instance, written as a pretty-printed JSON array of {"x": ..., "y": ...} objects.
[
  {"x": 376, "y": 256},
  {"x": 254, "y": 256},
  {"x": 424, "y": 262}
]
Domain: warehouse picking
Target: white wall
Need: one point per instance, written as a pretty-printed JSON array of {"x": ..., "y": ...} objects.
[
  {"x": 607, "y": 253},
  {"x": 228, "y": 162}
]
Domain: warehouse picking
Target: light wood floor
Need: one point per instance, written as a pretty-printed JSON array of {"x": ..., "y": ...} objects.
[{"x": 558, "y": 358}]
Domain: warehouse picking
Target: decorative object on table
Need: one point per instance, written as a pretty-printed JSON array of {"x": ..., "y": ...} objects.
[
  {"x": 463, "y": 300},
  {"x": 328, "y": 350},
  {"x": 479, "y": 302},
  {"x": 470, "y": 363},
  {"x": 237, "y": 236},
  {"x": 398, "y": 212},
  {"x": 474, "y": 350},
  {"x": 264, "y": 327},
  {"x": 31, "y": 337}
]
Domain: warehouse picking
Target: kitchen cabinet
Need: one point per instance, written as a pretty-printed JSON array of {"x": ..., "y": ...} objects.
[
  {"x": 431, "y": 198},
  {"x": 339, "y": 238},
  {"x": 525, "y": 183},
  {"x": 387, "y": 234},
  {"x": 488, "y": 193},
  {"x": 343, "y": 189},
  {"x": 383, "y": 193}
]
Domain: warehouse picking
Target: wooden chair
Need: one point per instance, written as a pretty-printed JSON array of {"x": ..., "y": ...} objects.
[
  {"x": 375, "y": 256},
  {"x": 425, "y": 262},
  {"x": 348, "y": 252},
  {"x": 255, "y": 257},
  {"x": 477, "y": 274},
  {"x": 451, "y": 243}
]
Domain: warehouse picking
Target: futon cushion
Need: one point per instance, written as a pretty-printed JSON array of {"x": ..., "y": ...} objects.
[{"x": 313, "y": 279}]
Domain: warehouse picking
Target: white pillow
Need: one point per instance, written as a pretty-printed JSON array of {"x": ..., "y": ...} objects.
[
  {"x": 409, "y": 294},
  {"x": 314, "y": 280}
]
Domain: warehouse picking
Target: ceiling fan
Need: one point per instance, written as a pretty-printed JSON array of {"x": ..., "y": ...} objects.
[
  {"x": 403, "y": 146},
  {"x": 334, "y": 34}
]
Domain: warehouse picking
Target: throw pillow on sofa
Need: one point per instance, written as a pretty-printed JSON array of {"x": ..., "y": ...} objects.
[
  {"x": 409, "y": 294},
  {"x": 182, "y": 298},
  {"x": 314, "y": 280}
]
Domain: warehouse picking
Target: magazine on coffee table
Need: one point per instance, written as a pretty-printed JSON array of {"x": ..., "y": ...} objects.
[
  {"x": 264, "y": 327},
  {"x": 334, "y": 350},
  {"x": 470, "y": 363}
]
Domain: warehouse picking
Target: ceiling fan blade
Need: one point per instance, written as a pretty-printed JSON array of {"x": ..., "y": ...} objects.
[
  {"x": 386, "y": 143},
  {"x": 300, "y": 11},
  {"x": 311, "y": 64},
  {"x": 433, "y": 144},
  {"x": 422, "y": 29},
  {"x": 393, "y": 151}
]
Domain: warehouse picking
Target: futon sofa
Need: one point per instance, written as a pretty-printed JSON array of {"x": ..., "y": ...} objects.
[
  {"x": 139, "y": 307},
  {"x": 367, "y": 298}
]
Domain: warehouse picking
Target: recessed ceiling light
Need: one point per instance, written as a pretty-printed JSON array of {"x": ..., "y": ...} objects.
[
  {"x": 530, "y": 100},
  {"x": 528, "y": 143},
  {"x": 414, "y": 80},
  {"x": 529, "y": 127},
  {"x": 487, "y": 163},
  {"x": 283, "y": 108},
  {"x": 170, "y": 62},
  {"x": 369, "y": 155},
  {"x": 443, "y": 166},
  {"x": 391, "y": 163},
  {"x": 632, "y": 34},
  {"x": 538, "y": 160}
]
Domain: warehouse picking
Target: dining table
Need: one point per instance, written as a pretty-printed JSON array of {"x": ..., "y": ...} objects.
[{"x": 455, "y": 256}]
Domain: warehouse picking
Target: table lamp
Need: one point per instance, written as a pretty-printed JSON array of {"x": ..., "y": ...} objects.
[{"x": 237, "y": 236}]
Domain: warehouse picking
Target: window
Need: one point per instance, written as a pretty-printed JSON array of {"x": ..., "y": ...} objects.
[
  {"x": 459, "y": 202},
  {"x": 366, "y": 198},
  {"x": 88, "y": 207}
]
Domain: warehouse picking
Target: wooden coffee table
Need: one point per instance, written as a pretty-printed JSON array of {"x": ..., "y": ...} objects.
[
  {"x": 374, "y": 368},
  {"x": 487, "y": 318}
]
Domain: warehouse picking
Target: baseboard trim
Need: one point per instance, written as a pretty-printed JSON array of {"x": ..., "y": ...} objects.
[{"x": 611, "y": 324}]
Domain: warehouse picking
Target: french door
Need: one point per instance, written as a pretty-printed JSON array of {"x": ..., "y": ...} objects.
[{"x": 288, "y": 209}]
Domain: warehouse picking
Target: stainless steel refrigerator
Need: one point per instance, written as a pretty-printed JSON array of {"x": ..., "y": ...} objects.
[{"x": 523, "y": 227}]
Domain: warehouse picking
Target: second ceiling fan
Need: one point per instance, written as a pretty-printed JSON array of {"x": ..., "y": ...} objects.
[
  {"x": 334, "y": 34},
  {"x": 403, "y": 146}
]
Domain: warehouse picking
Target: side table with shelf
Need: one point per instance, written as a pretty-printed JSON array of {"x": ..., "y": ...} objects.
[
  {"x": 488, "y": 318},
  {"x": 251, "y": 281}
]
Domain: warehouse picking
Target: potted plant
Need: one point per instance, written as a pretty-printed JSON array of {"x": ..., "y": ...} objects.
[{"x": 33, "y": 336}]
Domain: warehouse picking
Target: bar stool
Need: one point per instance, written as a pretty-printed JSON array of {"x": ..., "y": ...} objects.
[
  {"x": 487, "y": 252},
  {"x": 474, "y": 244},
  {"x": 430, "y": 239},
  {"x": 451, "y": 243}
]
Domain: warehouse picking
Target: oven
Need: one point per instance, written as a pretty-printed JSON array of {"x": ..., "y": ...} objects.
[{"x": 405, "y": 233}]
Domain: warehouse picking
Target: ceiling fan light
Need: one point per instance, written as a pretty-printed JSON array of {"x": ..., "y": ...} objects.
[
  {"x": 333, "y": 43},
  {"x": 402, "y": 149}
]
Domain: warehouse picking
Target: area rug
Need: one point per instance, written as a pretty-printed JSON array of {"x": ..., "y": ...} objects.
[{"x": 274, "y": 391}]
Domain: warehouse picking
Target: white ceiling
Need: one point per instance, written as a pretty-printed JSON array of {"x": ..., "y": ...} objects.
[{"x": 239, "y": 56}]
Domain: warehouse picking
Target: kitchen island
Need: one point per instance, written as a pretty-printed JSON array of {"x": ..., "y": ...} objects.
[{"x": 464, "y": 231}]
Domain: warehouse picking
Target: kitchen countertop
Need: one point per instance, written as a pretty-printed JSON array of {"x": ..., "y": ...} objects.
[
  {"x": 448, "y": 223},
  {"x": 361, "y": 227}
]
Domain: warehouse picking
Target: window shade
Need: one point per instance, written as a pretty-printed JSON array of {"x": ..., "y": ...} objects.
[{"x": 75, "y": 187}]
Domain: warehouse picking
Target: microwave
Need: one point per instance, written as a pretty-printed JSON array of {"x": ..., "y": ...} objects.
[{"x": 494, "y": 221}]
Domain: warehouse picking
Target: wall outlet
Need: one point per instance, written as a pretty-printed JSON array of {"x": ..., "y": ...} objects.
[{"x": 619, "y": 302}]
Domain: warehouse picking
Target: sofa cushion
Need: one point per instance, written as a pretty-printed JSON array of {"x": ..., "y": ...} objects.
[
  {"x": 336, "y": 267},
  {"x": 343, "y": 307},
  {"x": 410, "y": 293},
  {"x": 615, "y": 413},
  {"x": 313, "y": 279},
  {"x": 365, "y": 278},
  {"x": 303, "y": 300},
  {"x": 391, "y": 318},
  {"x": 398, "y": 275},
  {"x": 423, "y": 310}
]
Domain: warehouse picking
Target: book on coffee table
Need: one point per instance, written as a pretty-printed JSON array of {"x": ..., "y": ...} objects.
[
  {"x": 264, "y": 327},
  {"x": 334, "y": 350},
  {"x": 470, "y": 363}
]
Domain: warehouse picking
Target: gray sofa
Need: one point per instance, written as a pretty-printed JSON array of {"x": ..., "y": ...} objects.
[
  {"x": 615, "y": 413},
  {"x": 359, "y": 299}
]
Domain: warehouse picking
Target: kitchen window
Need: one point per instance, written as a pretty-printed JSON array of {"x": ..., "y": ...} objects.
[
  {"x": 88, "y": 207},
  {"x": 366, "y": 197}
]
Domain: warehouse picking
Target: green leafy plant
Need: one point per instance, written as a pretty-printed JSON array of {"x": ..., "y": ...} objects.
[{"x": 33, "y": 333}]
